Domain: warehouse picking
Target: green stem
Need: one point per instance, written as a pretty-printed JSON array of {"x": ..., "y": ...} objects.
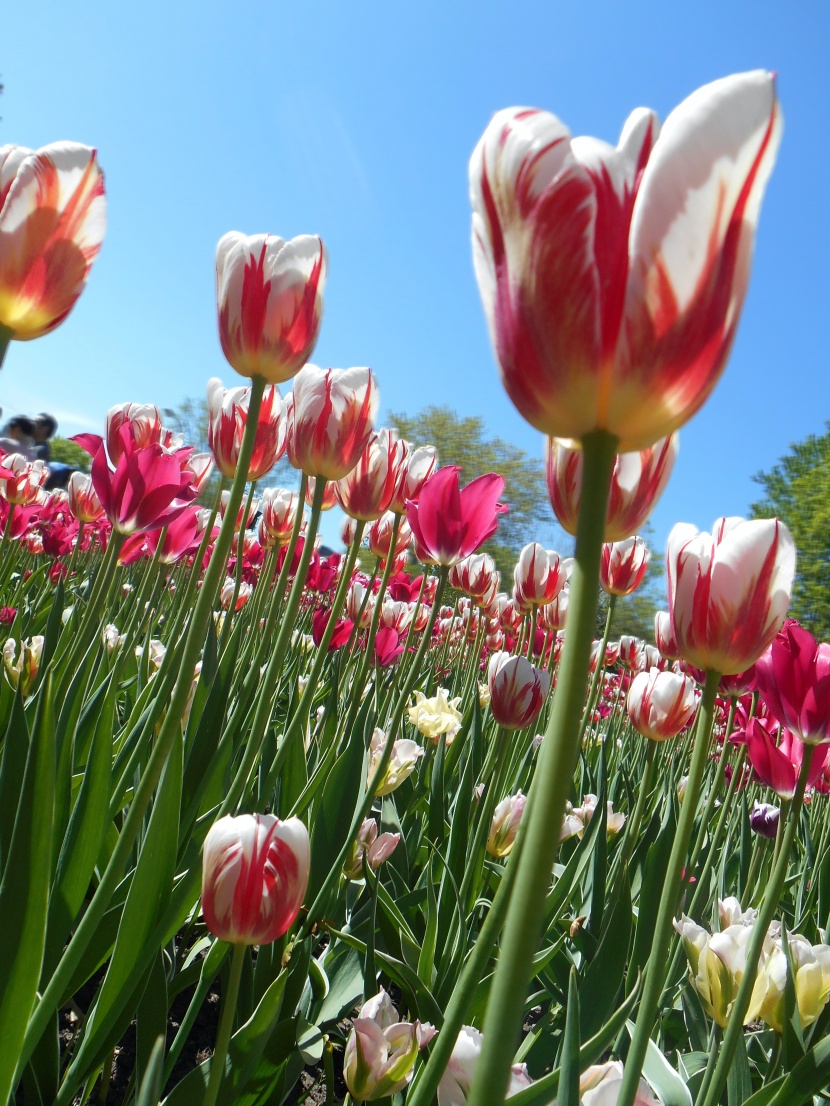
[
  {"x": 223, "y": 1037},
  {"x": 655, "y": 973},
  {"x": 170, "y": 730},
  {"x": 632, "y": 829},
  {"x": 599, "y": 668},
  {"x": 6, "y": 336},
  {"x": 708, "y": 1096},
  {"x": 230, "y": 614},
  {"x": 554, "y": 773}
]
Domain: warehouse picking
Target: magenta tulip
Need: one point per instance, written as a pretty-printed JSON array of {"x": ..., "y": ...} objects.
[{"x": 448, "y": 522}]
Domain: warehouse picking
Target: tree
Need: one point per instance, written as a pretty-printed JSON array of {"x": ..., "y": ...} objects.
[
  {"x": 797, "y": 490},
  {"x": 70, "y": 453},
  {"x": 463, "y": 441}
]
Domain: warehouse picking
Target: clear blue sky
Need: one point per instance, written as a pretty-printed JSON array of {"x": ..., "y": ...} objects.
[{"x": 356, "y": 121}]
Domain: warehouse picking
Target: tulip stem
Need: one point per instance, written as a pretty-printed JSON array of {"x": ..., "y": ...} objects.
[
  {"x": 599, "y": 668},
  {"x": 549, "y": 791},
  {"x": 6, "y": 336},
  {"x": 223, "y": 1037},
  {"x": 710, "y": 1091},
  {"x": 655, "y": 972}
]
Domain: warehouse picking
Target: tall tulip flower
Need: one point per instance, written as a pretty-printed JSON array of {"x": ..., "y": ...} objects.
[
  {"x": 83, "y": 501},
  {"x": 254, "y": 876},
  {"x": 660, "y": 704},
  {"x": 539, "y": 576},
  {"x": 517, "y": 690},
  {"x": 613, "y": 278},
  {"x": 227, "y": 415},
  {"x": 52, "y": 221},
  {"x": 270, "y": 302},
  {"x": 793, "y": 677},
  {"x": 729, "y": 590},
  {"x": 637, "y": 482},
  {"x": 331, "y": 416},
  {"x": 450, "y": 523},
  {"x": 415, "y": 469},
  {"x": 367, "y": 491},
  {"x": 623, "y": 566}
]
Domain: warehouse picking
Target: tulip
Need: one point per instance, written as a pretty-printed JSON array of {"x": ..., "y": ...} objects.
[
  {"x": 660, "y": 704},
  {"x": 613, "y": 279},
  {"x": 539, "y": 576},
  {"x": 254, "y": 876},
  {"x": 329, "y": 499},
  {"x": 270, "y": 302},
  {"x": 21, "y": 486},
  {"x": 379, "y": 536},
  {"x": 340, "y": 635},
  {"x": 226, "y": 594},
  {"x": 450, "y": 523},
  {"x": 23, "y": 666},
  {"x": 52, "y": 221},
  {"x": 475, "y": 575},
  {"x": 279, "y": 512},
  {"x": 778, "y": 766},
  {"x": 83, "y": 501},
  {"x": 381, "y": 1050},
  {"x": 147, "y": 488},
  {"x": 728, "y": 591},
  {"x": 416, "y": 467},
  {"x": 793, "y": 677},
  {"x": 458, "y": 1077},
  {"x": 811, "y": 967},
  {"x": 404, "y": 757},
  {"x": 227, "y": 416},
  {"x": 763, "y": 820},
  {"x": 376, "y": 848},
  {"x": 517, "y": 690},
  {"x": 731, "y": 913},
  {"x": 367, "y": 491},
  {"x": 331, "y": 414},
  {"x": 637, "y": 481},
  {"x": 505, "y": 825},
  {"x": 716, "y": 965},
  {"x": 436, "y": 716},
  {"x": 623, "y": 566},
  {"x": 245, "y": 514}
]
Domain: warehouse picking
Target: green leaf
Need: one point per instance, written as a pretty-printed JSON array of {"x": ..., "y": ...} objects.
[
  {"x": 12, "y": 770},
  {"x": 657, "y": 860},
  {"x": 809, "y": 1076},
  {"x": 739, "y": 1078},
  {"x": 151, "y": 1017},
  {"x": 568, "y": 1094},
  {"x": 345, "y": 975},
  {"x": 662, "y": 1076},
  {"x": 149, "y": 1091},
  {"x": 24, "y": 891},
  {"x": 437, "y": 814},
  {"x": 605, "y": 973}
]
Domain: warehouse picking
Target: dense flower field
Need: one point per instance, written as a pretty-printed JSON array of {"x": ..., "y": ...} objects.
[{"x": 414, "y": 827}]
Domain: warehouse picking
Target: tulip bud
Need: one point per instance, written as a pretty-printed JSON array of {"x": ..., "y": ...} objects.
[
  {"x": 405, "y": 756},
  {"x": 624, "y": 565},
  {"x": 22, "y": 667},
  {"x": 23, "y": 480},
  {"x": 52, "y": 220},
  {"x": 376, "y": 848},
  {"x": 660, "y": 704},
  {"x": 793, "y": 676},
  {"x": 763, "y": 820},
  {"x": 539, "y": 576},
  {"x": 270, "y": 302},
  {"x": 728, "y": 591},
  {"x": 381, "y": 1050},
  {"x": 279, "y": 511},
  {"x": 83, "y": 500},
  {"x": 366, "y": 492},
  {"x": 380, "y": 536},
  {"x": 811, "y": 965},
  {"x": 416, "y": 467},
  {"x": 254, "y": 876},
  {"x": 505, "y": 825},
  {"x": 517, "y": 690}
]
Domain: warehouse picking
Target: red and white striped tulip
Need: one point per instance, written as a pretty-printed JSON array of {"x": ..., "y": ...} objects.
[
  {"x": 270, "y": 302},
  {"x": 539, "y": 576},
  {"x": 416, "y": 468},
  {"x": 254, "y": 876},
  {"x": 367, "y": 491},
  {"x": 517, "y": 690},
  {"x": 279, "y": 513},
  {"x": 623, "y": 566},
  {"x": 475, "y": 576},
  {"x": 729, "y": 590},
  {"x": 613, "y": 278},
  {"x": 24, "y": 481},
  {"x": 661, "y": 704},
  {"x": 52, "y": 222},
  {"x": 331, "y": 416},
  {"x": 379, "y": 536},
  {"x": 227, "y": 416},
  {"x": 638, "y": 480},
  {"x": 664, "y": 636}
]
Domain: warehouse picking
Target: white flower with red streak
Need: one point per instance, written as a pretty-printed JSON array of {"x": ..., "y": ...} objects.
[
  {"x": 613, "y": 278},
  {"x": 331, "y": 416},
  {"x": 661, "y": 704},
  {"x": 227, "y": 417}
]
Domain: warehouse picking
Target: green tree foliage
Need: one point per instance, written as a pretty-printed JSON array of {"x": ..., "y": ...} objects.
[
  {"x": 797, "y": 490},
  {"x": 463, "y": 441},
  {"x": 70, "y": 453}
]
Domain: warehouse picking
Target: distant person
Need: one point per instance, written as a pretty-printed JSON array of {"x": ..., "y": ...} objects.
[
  {"x": 18, "y": 436},
  {"x": 44, "y": 429}
]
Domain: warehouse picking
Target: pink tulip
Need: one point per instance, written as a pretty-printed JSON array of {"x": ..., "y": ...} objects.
[
  {"x": 52, "y": 220},
  {"x": 637, "y": 482},
  {"x": 367, "y": 491},
  {"x": 517, "y": 690},
  {"x": 340, "y": 635},
  {"x": 728, "y": 591},
  {"x": 623, "y": 566},
  {"x": 793, "y": 676},
  {"x": 613, "y": 278},
  {"x": 254, "y": 876},
  {"x": 182, "y": 537},
  {"x": 227, "y": 416},
  {"x": 331, "y": 416},
  {"x": 450, "y": 523},
  {"x": 778, "y": 766},
  {"x": 270, "y": 302},
  {"x": 660, "y": 704},
  {"x": 389, "y": 646},
  {"x": 146, "y": 490}
]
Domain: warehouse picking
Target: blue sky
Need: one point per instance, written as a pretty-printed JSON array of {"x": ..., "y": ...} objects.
[{"x": 356, "y": 122}]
